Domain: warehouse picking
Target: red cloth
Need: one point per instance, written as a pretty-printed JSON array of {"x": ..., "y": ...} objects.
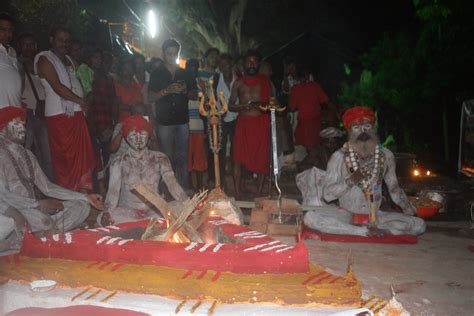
[
  {"x": 306, "y": 97},
  {"x": 137, "y": 123},
  {"x": 72, "y": 153},
  {"x": 263, "y": 82},
  {"x": 197, "y": 156},
  {"x": 130, "y": 96},
  {"x": 356, "y": 115},
  {"x": 307, "y": 132},
  {"x": 7, "y": 114},
  {"x": 309, "y": 233},
  {"x": 251, "y": 146},
  {"x": 77, "y": 310}
]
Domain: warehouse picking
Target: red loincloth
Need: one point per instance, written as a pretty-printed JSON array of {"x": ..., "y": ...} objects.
[
  {"x": 252, "y": 143},
  {"x": 307, "y": 132},
  {"x": 72, "y": 153}
]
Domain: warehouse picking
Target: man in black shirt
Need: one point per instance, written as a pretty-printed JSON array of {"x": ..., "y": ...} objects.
[{"x": 168, "y": 88}]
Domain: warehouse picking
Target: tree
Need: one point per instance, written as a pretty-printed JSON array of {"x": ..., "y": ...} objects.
[
  {"x": 41, "y": 15},
  {"x": 420, "y": 75}
]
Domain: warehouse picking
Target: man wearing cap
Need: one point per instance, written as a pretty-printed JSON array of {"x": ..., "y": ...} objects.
[
  {"x": 23, "y": 185},
  {"x": 354, "y": 177},
  {"x": 138, "y": 164}
]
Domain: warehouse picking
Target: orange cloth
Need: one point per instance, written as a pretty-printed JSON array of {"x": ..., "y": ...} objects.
[
  {"x": 128, "y": 95},
  {"x": 307, "y": 97},
  {"x": 251, "y": 146},
  {"x": 197, "y": 157},
  {"x": 71, "y": 151},
  {"x": 357, "y": 114}
]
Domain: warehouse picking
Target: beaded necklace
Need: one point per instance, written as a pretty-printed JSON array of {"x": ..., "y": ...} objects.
[
  {"x": 372, "y": 175},
  {"x": 219, "y": 135}
]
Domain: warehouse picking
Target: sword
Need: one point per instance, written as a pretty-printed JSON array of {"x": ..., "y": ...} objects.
[{"x": 272, "y": 107}]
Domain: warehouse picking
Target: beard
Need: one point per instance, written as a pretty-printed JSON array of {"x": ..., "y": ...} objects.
[
  {"x": 364, "y": 144},
  {"x": 251, "y": 71}
]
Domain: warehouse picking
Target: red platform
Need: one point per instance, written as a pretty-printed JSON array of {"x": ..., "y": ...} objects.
[
  {"x": 308, "y": 233},
  {"x": 258, "y": 253}
]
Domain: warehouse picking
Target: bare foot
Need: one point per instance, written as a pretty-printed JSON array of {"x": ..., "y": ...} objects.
[{"x": 373, "y": 231}]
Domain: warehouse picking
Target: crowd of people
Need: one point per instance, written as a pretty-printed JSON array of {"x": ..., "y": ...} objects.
[{"x": 97, "y": 122}]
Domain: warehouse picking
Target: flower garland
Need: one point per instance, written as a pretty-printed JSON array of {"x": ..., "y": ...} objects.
[
  {"x": 219, "y": 136},
  {"x": 371, "y": 177}
]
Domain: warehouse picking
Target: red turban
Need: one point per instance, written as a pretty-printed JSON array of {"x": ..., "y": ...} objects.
[
  {"x": 357, "y": 114},
  {"x": 9, "y": 113},
  {"x": 137, "y": 123}
]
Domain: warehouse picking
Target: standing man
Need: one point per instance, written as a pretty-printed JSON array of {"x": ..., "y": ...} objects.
[
  {"x": 10, "y": 79},
  {"x": 306, "y": 97},
  {"x": 223, "y": 82},
  {"x": 252, "y": 131},
  {"x": 168, "y": 89},
  {"x": 71, "y": 148},
  {"x": 33, "y": 96}
]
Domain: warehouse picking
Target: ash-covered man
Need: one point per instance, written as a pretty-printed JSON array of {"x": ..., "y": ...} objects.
[
  {"x": 138, "y": 164},
  {"x": 21, "y": 178},
  {"x": 252, "y": 131},
  {"x": 354, "y": 177}
]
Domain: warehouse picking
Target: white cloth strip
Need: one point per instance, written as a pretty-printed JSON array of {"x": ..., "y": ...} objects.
[
  {"x": 285, "y": 249},
  {"x": 112, "y": 240},
  {"x": 262, "y": 245},
  {"x": 68, "y": 237},
  {"x": 102, "y": 239},
  {"x": 113, "y": 227},
  {"x": 123, "y": 242},
  {"x": 93, "y": 230},
  {"x": 254, "y": 236},
  {"x": 44, "y": 239},
  {"x": 252, "y": 232},
  {"x": 191, "y": 246},
  {"x": 104, "y": 229},
  {"x": 207, "y": 245},
  {"x": 56, "y": 237},
  {"x": 217, "y": 247},
  {"x": 217, "y": 223},
  {"x": 273, "y": 247}
]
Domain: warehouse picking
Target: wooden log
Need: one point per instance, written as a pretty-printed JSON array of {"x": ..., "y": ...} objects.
[{"x": 165, "y": 209}]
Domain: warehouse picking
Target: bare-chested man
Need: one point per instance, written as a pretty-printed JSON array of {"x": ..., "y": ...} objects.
[
  {"x": 138, "y": 164},
  {"x": 252, "y": 131},
  {"x": 354, "y": 177}
]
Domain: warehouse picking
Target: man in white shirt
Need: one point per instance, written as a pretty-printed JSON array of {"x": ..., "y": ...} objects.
[{"x": 10, "y": 78}]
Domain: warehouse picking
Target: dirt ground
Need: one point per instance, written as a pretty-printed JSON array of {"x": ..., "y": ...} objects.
[{"x": 433, "y": 277}]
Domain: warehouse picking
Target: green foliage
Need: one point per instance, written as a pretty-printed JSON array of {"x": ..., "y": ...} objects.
[
  {"x": 41, "y": 15},
  {"x": 420, "y": 72}
]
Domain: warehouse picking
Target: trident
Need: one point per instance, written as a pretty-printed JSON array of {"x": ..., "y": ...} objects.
[
  {"x": 213, "y": 115},
  {"x": 272, "y": 107}
]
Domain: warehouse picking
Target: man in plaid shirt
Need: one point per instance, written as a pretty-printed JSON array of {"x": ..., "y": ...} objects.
[{"x": 103, "y": 107}]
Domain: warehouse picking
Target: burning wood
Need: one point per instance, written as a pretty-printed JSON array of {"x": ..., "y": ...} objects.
[{"x": 187, "y": 223}]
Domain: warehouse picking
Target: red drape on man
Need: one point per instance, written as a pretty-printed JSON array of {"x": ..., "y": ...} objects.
[
  {"x": 71, "y": 151},
  {"x": 251, "y": 146}
]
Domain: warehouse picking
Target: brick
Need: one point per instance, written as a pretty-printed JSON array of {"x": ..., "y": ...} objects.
[
  {"x": 259, "y": 216},
  {"x": 282, "y": 229},
  {"x": 260, "y": 227}
]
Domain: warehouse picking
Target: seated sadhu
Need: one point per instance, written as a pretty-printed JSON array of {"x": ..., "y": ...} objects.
[
  {"x": 137, "y": 164},
  {"x": 354, "y": 178},
  {"x": 26, "y": 194}
]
